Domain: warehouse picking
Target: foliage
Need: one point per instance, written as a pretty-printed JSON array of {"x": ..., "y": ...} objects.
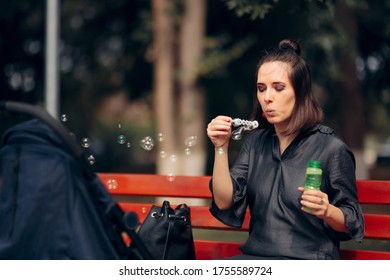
[
  {"x": 258, "y": 9},
  {"x": 255, "y": 8}
]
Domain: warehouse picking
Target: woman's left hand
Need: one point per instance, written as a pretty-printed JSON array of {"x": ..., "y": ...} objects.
[{"x": 315, "y": 202}]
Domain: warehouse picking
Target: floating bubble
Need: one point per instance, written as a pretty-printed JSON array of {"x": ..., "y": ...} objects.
[
  {"x": 119, "y": 125},
  {"x": 86, "y": 142},
  {"x": 121, "y": 139},
  {"x": 143, "y": 210},
  {"x": 64, "y": 118},
  {"x": 147, "y": 143},
  {"x": 173, "y": 158},
  {"x": 112, "y": 184},
  {"x": 160, "y": 137},
  {"x": 171, "y": 177},
  {"x": 187, "y": 151},
  {"x": 128, "y": 145},
  {"x": 163, "y": 154},
  {"x": 91, "y": 160},
  {"x": 191, "y": 141}
]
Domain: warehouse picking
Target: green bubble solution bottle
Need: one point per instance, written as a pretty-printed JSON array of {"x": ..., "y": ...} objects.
[{"x": 313, "y": 176}]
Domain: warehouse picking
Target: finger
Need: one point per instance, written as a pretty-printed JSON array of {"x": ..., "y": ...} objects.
[
  {"x": 308, "y": 203},
  {"x": 217, "y": 133},
  {"x": 313, "y": 199},
  {"x": 221, "y": 119},
  {"x": 221, "y": 123},
  {"x": 313, "y": 192},
  {"x": 219, "y": 127},
  {"x": 224, "y": 118}
]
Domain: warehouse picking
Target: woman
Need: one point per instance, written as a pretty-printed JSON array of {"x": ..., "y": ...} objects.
[{"x": 286, "y": 221}]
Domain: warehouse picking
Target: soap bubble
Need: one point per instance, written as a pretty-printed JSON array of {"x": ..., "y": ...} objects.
[
  {"x": 121, "y": 139},
  {"x": 147, "y": 143},
  {"x": 173, "y": 158},
  {"x": 64, "y": 118},
  {"x": 191, "y": 141},
  {"x": 187, "y": 151},
  {"x": 171, "y": 177},
  {"x": 112, "y": 184},
  {"x": 119, "y": 125},
  {"x": 160, "y": 137},
  {"x": 143, "y": 210},
  {"x": 128, "y": 145},
  {"x": 86, "y": 142},
  {"x": 163, "y": 154},
  {"x": 91, "y": 160}
]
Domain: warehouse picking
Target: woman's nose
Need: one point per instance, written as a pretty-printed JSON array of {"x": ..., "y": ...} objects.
[{"x": 267, "y": 96}]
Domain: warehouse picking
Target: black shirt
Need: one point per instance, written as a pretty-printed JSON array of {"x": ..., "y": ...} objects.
[{"x": 267, "y": 182}]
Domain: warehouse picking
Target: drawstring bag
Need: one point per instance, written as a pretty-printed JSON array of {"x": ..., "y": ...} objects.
[{"x": 167, "y": 233}]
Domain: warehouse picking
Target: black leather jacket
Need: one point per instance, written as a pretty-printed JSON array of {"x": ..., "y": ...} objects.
[{"x": 267, "y": 182}]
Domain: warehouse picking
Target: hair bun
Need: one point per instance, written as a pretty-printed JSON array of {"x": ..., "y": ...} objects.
[{"x": 289, "y": 44}]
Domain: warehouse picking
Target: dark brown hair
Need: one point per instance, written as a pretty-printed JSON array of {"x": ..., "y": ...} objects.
[{"x": 306, "y": 111}]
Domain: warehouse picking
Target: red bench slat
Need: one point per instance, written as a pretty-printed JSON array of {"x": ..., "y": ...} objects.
[
  {"x": 158, "y": 185},
  {"x": 369, "y": 191},
  {"x": 219, "y": 250},
  {"x": 213, "y": 250},
  {"x": 373, "y": 191},
  {"x": 364, "y": 255},
  {"x": 377, "y": 226}
]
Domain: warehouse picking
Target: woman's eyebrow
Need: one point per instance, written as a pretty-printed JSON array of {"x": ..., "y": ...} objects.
[
  {"x": 273, "y": 83},
  {"x": 278, "y": 84}
]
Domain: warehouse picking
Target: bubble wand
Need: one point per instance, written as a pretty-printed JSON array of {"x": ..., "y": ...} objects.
[{"x": 243, "y": 125}]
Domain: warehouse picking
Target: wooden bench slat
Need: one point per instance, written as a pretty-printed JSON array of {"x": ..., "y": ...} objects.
[
  {"x": 369, "y": 191},
  {"x": 158, "y": 185},
  {"x": 377, "y": 226},
  {"x": 212, "y": 250},
  {"x": 219, "y": 250},
  {"x": 364, "y": 255},
  {"x": 373, "y": 191}
]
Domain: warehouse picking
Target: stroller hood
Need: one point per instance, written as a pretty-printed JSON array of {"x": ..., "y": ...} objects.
[{"x": 49, "y": 207}]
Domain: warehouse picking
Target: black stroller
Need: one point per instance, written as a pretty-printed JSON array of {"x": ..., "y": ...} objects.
[{"x": 52, "y": 205}]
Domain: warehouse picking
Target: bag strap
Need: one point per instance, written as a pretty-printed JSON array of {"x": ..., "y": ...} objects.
[{"x": 168, "y": 239}]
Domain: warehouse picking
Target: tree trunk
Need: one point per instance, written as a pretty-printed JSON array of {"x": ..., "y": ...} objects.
[
  {"x": 163, "y": 84},
  {"x": 192, "y": 153},
  {"x": 351, "y": 97}
]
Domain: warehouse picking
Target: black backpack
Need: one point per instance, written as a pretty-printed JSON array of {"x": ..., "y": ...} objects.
[{"x": 52, "y": 205}]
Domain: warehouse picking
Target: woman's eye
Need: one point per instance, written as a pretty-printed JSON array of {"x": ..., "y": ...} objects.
[
  {"x": 260, "y": 88},
  {"x": 279, "y": 88}
]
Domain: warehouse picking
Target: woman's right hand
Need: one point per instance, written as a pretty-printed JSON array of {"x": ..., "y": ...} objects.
[{"x": 219, "y": 131}]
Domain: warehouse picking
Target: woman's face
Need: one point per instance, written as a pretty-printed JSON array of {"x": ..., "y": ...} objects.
[{"x": 275, "y": 93}]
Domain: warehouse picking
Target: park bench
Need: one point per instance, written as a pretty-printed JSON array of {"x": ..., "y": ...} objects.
[{"x": 214, "y": 240}]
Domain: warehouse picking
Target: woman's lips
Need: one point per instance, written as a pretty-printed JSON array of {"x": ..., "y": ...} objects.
[{"x": 270, "y": 112}]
